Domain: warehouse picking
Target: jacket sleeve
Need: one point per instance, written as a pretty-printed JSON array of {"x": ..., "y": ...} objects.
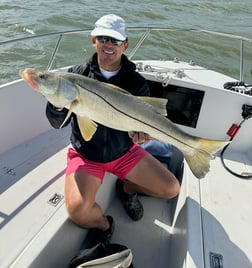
[
  {"x": 145, "y": 90},
  {"x": 56, "y": 118}
]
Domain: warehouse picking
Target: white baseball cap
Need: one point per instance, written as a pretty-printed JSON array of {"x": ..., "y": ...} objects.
[{"x": 111, "y": 25}]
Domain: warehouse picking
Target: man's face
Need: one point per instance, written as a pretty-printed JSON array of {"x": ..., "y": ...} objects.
[{"x": 109, "y": 54}]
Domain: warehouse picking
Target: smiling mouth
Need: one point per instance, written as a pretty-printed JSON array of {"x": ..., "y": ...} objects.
[{"x": 108, "y": 52}]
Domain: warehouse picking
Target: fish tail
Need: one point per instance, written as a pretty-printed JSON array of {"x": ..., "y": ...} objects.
[{"x": 199, "y": 161}]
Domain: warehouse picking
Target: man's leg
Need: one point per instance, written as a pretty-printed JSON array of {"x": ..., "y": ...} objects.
[
  {"x": 150, "y": 177},
  {"x": 80, "y": 192}
]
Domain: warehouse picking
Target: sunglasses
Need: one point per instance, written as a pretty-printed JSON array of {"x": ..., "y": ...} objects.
[{"x": 105, "y": 39}]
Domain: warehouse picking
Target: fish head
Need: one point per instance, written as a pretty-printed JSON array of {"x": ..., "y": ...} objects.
[
  {"x": 54, "y": 86},
  {"x": 39, "y": 80}
]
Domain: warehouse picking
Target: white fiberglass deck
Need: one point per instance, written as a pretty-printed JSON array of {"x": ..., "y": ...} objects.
[
  {"x": 39, "y": 230},
  {"x": 30, "y": 175}
]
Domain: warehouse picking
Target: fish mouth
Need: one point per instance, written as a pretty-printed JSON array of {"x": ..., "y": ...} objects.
[{"x": 29, "y": 76}]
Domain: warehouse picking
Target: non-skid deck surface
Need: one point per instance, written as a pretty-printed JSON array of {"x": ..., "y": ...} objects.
[
  {"x": 148, "y": 238},
  {"x": 31, "y": 175},
  {"x": 227, "y": 211}
]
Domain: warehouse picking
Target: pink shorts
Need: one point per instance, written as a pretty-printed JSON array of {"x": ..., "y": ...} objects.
[{"x": 120, "y": 167}]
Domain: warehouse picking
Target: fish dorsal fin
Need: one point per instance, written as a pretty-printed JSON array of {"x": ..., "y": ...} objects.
[
  {"x": 159, "y": 104},
  {"x": 87, "y": 127}
]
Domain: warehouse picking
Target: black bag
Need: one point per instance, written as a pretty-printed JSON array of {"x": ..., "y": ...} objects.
[{"x": 103, "y": 256}]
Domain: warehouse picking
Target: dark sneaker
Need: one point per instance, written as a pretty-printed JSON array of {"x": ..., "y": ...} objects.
[
  {"x": 106, "y": 236},
  {"x": 96, "y": 236},
  {"x": 130, "y": 202}
]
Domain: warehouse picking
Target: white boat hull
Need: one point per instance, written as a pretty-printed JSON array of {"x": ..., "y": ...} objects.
[{"x": 209, "y": 221}]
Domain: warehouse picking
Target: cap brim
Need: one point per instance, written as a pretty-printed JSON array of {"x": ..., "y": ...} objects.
[{"x": 108, "y": 32}]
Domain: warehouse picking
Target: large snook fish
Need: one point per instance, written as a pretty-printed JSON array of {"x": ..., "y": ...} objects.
[{"x": 96, "y": 102}]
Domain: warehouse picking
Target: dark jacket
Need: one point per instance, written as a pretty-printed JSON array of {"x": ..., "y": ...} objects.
[{"x": 107, "y": 144}]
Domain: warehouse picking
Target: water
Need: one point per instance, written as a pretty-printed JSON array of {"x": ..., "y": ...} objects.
[{"x": 26, "y": 18}]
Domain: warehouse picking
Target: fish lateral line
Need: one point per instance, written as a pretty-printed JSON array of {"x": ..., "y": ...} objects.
[{"x": 134, "y": 118}]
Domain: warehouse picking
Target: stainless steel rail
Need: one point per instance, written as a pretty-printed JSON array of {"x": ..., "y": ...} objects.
[{"x": 146, "y": 30}]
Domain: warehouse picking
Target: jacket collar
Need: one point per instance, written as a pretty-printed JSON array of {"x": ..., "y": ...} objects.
[{"x": 127, "y": 66}]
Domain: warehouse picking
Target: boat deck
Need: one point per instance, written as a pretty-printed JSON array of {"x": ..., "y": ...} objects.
[
  {"x": 227, "y": 210},
  {"x": 31, "y": 175},
  {"x": 148, "y": 238},
  {"x": 169, "y": 234}
]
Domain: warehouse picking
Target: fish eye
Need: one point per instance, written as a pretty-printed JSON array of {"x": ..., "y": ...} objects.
[{"x": 42, "y": 76}]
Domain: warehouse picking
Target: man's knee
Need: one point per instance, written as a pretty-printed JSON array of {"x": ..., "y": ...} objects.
[
  {"x": 171, "y": 189},
  {"x": 78, "y": 211},
  {"x": 175, "y": 188}
]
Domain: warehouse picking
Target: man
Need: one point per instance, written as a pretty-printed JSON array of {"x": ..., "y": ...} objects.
[{"x": 110, "y": 150}]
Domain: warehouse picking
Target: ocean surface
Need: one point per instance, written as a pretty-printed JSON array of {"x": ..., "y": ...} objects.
[{"x": 25, "y": 18}]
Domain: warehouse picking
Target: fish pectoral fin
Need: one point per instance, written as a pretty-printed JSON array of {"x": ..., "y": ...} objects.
[
  {"x": 69, "y": 112},
  {"x": 87, "y": 127},
  {"x": 159, "y": 104},
  {"x": 67, "y": 117}
]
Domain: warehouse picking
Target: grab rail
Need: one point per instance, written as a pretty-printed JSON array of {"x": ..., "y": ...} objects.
[{"x": 134, "y": 50}]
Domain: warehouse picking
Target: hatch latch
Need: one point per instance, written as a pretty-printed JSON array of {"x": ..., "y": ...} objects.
[{"x": 216, "y": 260}]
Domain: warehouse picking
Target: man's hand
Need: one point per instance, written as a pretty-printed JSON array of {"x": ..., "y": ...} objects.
[{"x": 139, "y": 137}]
